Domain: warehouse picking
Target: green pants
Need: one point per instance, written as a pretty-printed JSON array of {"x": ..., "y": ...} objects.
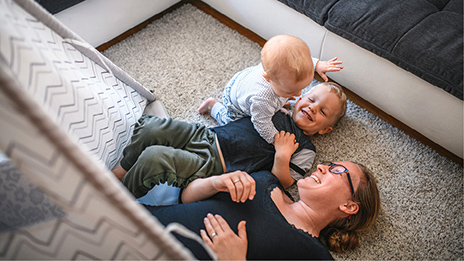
[{"x": 166, "y": 150}]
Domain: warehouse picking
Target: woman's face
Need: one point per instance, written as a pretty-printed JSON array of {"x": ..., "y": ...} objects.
[{"x": 328, "y": 189}]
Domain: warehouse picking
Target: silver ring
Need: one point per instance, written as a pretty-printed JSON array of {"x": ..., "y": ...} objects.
[
  {"x": 213, "y": 235},
  {"x": 235, "y": 181}
]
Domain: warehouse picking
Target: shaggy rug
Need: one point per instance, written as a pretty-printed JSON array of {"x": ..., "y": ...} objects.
[{"x": 188, "y": 56}]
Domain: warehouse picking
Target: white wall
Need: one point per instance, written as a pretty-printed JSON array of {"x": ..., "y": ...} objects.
[{"x": 99, "y": 21}]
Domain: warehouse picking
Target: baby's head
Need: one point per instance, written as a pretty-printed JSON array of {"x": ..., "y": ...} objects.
[
  {"x": 287, "y": 65},
  {"x": 320, "y": 108}
]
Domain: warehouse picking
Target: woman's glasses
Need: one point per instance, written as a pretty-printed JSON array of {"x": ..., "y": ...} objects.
[{"x": 339, "y": 169}]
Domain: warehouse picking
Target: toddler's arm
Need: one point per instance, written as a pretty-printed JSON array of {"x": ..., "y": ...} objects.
[
  {"x": 323, "y": 67},
  {"x": 285, "y": 146},
  {"x": 304, "y": 160}
]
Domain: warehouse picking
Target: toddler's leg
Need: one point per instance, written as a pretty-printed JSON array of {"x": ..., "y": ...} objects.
[
  {"x": 151, "y": 130},
  {"x": 119, "y": 172},
  {"x": 159, "y": 164}
]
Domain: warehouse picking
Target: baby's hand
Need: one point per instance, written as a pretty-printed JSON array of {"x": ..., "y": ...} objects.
[
  {"x": 332, "y": 65},
  {"x": 285, "y": 110},
  {"x": 287, "y": 106},
  {"x": 285, "y": 143}
]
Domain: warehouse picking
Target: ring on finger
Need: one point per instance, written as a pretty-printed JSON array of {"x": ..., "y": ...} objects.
[
  {"x": 213, "y": 235},
  {"x": 237, "y": 180}
]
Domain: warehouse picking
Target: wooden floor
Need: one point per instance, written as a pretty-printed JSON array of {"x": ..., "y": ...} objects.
[{"x": 256, "y": 38}]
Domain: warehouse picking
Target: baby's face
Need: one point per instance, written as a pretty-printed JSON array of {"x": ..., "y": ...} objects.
[
  {"x": 286, "y": 87},
  {"x": 317, "y": 110}
]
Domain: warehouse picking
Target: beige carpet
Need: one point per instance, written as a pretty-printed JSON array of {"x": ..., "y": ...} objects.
[{"x": 187, "y": 56}]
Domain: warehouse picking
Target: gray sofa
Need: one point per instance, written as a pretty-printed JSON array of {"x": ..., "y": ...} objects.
[
  {"x": 423, "y": 37},
  {"x": 404, "y": 57}
]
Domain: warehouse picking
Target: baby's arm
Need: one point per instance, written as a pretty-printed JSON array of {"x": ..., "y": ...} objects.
[
  {"x": 323, "y": 67},
  {"x": 285, "y": 146},
  {"x": 262, "y": 109}
]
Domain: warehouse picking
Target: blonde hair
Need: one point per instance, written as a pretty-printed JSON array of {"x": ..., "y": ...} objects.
[
  {"x": 289, "y": 54},
  {"x": 342, "y": 234},
  {"x": 338, "y": 90}
]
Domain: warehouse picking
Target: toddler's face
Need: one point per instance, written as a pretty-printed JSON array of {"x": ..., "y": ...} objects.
[{"x": 317, "y": 110}]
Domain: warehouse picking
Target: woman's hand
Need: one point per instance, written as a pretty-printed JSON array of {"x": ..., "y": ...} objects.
[
  {"x": 239, "y": 184},
  {"x": 222, "y": 239}
]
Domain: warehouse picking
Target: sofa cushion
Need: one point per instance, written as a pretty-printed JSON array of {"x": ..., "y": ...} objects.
[
  {"x": 423, "y": 37},
  {"x": 56, "y": 6}
]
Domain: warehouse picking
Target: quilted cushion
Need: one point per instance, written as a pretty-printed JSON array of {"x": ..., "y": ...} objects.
[
  {"x": 23, "y": 203},
  {"x": 86, "y": 100},
  {"x": 421, "y": 36}
]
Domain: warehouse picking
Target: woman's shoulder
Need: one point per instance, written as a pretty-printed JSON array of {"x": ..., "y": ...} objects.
[
  {"x": 267, "y": 181},
  {"x": 265, "y": 178}
]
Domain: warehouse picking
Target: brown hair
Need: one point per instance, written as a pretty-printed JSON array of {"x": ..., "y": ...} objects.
[
  {"x": 342, "y": 234},
  {"x": 287, "y": 53}
]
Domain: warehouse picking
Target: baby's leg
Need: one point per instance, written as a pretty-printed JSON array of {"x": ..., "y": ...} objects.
[
  {"x": 206, "y": 106},
  {"x": 220, "y": 113}
]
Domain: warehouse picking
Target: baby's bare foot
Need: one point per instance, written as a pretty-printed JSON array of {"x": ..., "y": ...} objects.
[{"x": 207, "y": 105}]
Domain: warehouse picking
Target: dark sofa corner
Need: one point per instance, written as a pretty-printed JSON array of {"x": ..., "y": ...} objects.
[
  {"x": 424, "y": 37},
  {"x": 56, "y": 6}
]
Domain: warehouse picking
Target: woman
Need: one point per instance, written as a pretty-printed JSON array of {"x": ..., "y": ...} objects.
[{"x": 336, "y": 201}]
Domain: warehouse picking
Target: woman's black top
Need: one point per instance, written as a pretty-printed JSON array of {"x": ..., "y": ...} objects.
[{"x": 270, "y": 236}]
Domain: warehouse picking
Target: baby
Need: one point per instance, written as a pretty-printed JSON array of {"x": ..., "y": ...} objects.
[{"x": 260, "y": 91}]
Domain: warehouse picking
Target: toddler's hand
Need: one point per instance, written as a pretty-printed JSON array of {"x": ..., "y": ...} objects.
[
  {"x": 285, "y": 143},
  {"x": 332, "y": 65}
]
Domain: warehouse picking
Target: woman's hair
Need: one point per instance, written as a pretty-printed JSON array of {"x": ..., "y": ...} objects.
[
  {"x": 286, "y": 53},
  {"x": 342, "y": 234}
]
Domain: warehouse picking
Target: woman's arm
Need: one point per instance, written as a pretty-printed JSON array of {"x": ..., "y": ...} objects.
[
  {"x": 239, "y": 184},
  {"x": 285, "y": 146}
]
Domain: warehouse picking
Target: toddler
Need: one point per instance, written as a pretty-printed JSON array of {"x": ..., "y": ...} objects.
[
  {"x": 166, "y": 150},
  {"x": 260, "y": 91}
]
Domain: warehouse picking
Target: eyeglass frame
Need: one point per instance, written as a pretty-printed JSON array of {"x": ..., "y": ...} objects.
[{"x": 331, "y": 165}]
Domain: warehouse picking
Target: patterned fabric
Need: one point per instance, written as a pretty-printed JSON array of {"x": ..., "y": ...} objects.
[
  {"x": 21, "y": 201},
  {"x": 82, "y": 97},
  {"x": 249, "y": 94},
  {"x": 65, "y": 121}
]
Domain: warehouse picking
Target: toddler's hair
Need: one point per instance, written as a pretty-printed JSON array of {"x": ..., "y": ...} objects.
[
  {"x": 338, "y": 90},
  {"x": 287, "y": 53}
]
